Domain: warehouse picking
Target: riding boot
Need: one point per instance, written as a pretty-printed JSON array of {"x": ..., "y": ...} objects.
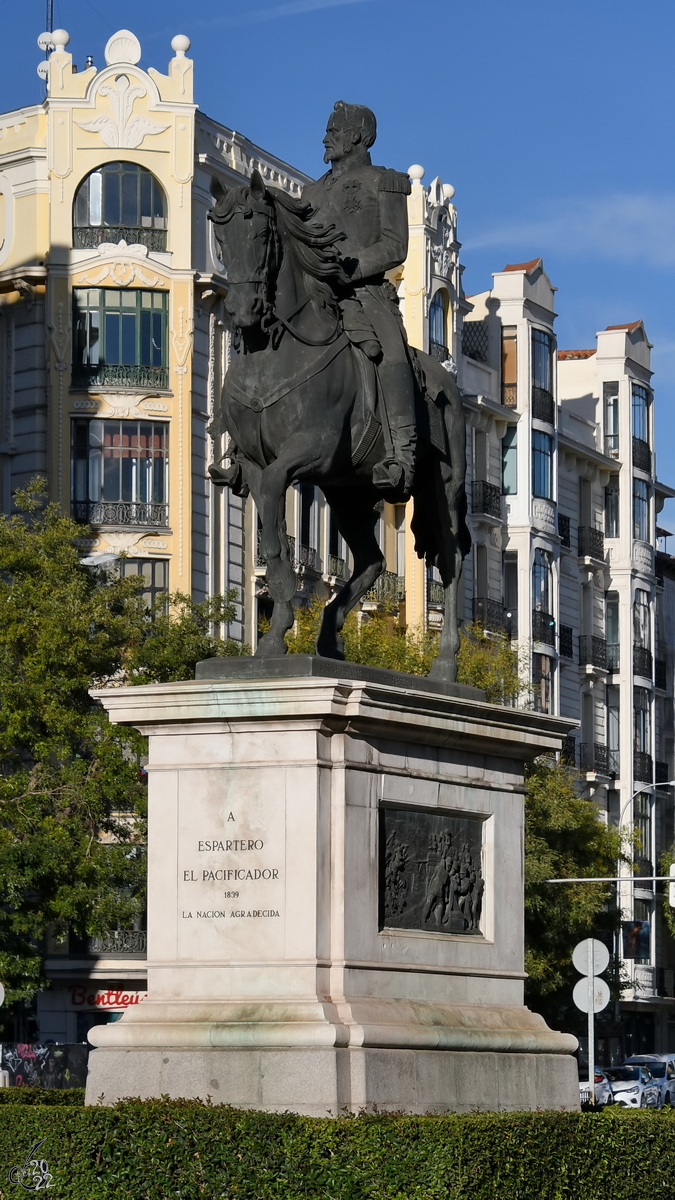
[{"x": 394, "y": 476}]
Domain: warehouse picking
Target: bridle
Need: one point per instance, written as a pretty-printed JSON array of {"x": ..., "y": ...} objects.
[{"x": 271, "y": 321}]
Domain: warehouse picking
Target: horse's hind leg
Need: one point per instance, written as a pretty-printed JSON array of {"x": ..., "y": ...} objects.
[{"x": 355, "y": 515}]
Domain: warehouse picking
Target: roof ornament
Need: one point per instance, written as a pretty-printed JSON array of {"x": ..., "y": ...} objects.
[{"x": 122, "y": 47}]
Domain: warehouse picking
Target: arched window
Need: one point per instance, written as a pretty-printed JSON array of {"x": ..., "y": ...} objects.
[
  {"x": 120, "y": 201},
  {"x": 438, "y": 344}
]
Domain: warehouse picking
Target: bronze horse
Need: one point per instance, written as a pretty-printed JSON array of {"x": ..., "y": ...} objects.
[{"x": 299, "y": 404}]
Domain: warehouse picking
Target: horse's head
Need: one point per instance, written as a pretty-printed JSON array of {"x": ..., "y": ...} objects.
[{"x": 243, "y": 219}]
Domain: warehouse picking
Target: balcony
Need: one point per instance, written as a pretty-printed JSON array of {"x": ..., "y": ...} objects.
[
  {"x": 643, "y": 767},
  {"x": 107, "y": 375},
  {"x": 644, "y": 980},
  {"x": 486, "y": 498},
  {"x": 543, "y": 407},
  {"x": 612, "y": 445},
  {"x": 389, "y": 589},
  {"x": 475, "y": 340},
  {"x": 564, "y": 531},
  {"x": 509, "y": 395},
  {"x": 642, "y": 662},
  {"x": 613, "y": 657},
  {"x": 435, "y": 593},
  {"x": 601, "y": 759},
  {"x": 336, "y": 566},
  {"x": 543, "y": 627},
  {"x": 566, "y": 642},
  {"x": 661, "y": 772},
  {"x": 490, "y": 614},
  {"x": 120, "y": 512},
  {"x": 306, "y": 556},
  {"x": 88, "y": 237},
  {"x": 660, "y": 675},
  {"x": 120, "y": 942},
  {"x": 592, "y": 652},
  {"x": 438, "y": 351},
  {"x": 591, "y": 543},
  {"x": 642, "y": 456}
]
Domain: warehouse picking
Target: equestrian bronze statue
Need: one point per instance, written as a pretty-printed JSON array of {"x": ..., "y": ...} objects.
[{"x": 325, "y": 389}]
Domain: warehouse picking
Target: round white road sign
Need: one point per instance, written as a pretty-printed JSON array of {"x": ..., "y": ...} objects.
[
  {"x": 599, "y": 958},
  {"x": 600, "y": 995}
]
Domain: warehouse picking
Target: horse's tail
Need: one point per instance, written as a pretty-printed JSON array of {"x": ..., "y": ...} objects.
[{"x": 439, "y": 522}]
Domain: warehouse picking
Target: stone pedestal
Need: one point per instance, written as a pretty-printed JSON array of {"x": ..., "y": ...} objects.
[{"x": 335, "y": 907}]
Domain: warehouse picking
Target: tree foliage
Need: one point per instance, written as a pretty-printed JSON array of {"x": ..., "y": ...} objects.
[
  {"x": 72, "y": 792},
  {"x": 373, "y": 639},
  {"x": 489, "y": 661}
]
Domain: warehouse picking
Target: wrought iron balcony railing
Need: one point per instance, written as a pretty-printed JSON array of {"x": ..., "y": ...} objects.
[
  {"x": 336, "y": 566},
  {"x": 486, "y": 498},
  {"x": 88, "y": 237},
  {"x": 564, "y": 531},
  {"x": 543, "y": 627},
  {"x": 661, "y": 772},
  {"x": 642, "y": 662},
  {"x": 613, "y": 657},
  {"x": 660, "y": 674},
  {"x": 120, "y": 512},
  {"x": 594, "y": 756},
  {"x": 490, "y": 614},
  {"x": 642, "y": 455},
  {"x": 543, "y": 407},
  {"x": 592, "y": 651},
  {"x": 591, "y": 543},
  {"x": 438, "y": 351},
  {"x": 612, "y": 445},
  {"x": 435, "y": 593},
  {"x": 107, "y": 375},
  {"x": 566, "y": 642},
  {"x": 120, "y": 941},
  {"x": 475, "y": 340},
  {"x": 388, "y": 589},
  {"x": 510, "y": 395},
  {"x": 643, "y": 767},
  {"x": 306, "y": 556}
]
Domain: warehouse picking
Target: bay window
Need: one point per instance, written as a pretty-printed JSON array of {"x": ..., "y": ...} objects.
[
  {"x": 120, "y": 472},
  {"x": 119, "y": 337}
]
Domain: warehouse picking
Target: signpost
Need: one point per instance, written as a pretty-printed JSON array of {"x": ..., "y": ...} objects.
[{"x": 591, "y": 994}]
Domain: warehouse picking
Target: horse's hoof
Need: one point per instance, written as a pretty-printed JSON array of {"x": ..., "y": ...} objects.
[
  {"x": 331, "y": 648},
  {"x": 270, "y": 647}
]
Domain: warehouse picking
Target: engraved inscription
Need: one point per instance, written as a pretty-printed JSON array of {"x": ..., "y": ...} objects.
[{"x": 430, "y": 871}]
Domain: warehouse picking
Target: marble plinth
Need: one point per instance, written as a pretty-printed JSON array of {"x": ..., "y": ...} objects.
[{"x": 335, "y": 898}]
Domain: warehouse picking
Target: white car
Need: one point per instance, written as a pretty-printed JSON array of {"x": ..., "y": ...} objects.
[
  {"x": 662, "y": 1067},
  {"x": 603, "y": 1090},
  {"x": 634, "y": 1086}
]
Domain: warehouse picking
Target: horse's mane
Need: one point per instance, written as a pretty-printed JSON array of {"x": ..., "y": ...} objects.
[{"x": 314, "y": 244}]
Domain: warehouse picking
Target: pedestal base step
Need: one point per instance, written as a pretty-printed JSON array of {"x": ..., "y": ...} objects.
[{"x": 326, "y": 1082}]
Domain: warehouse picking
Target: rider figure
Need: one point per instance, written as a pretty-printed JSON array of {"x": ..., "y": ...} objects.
[{"x": 368, "y": 205}]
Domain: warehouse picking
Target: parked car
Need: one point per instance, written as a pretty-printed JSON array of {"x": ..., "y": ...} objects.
[
  {"x": 634, "y": 1086},
  {"x": 662, "y": 1067},
  {"x": 603, "y": 1090}
]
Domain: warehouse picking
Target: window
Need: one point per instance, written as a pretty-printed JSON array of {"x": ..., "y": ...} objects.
[
  {"x": 640, "y": 413},
  {"x": 542, "y": 679},
  {"x": 542, "y": 375},
  {"x": 612, "y": 630},
  {"x": 510, "y": 461},
  {"x": 612, "y": 507},
  {"x": 641, "y": 721},
  {"x": 399, "y": 525},
  {"x": 119, "y": 337},
  {"x": 308, "y": 516},
  {"x": 541, "y": 581},
  {"x": 120, "y": 472},
  {"x": 641, "y": 620},
  {"x": 120, "y": 200},
  {"x": 542, "y": 454},
  {"x": 610, "y": 393},
  {"x": 155, "y": 575},
  {"x": 642, "y": 913},
  {"x": 613, "y": 727},
  {"x": 509, "y": 366},
  {"x": 437, "y": 335},
  {"x": 640, "y": 510}
]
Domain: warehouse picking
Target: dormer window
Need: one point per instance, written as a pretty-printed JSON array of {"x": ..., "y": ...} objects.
[{"x": 120, "y": 201}]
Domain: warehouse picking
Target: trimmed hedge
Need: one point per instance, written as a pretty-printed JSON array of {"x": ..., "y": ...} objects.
[
  {"x": 38, "y": 1095},
  {"x": 153, "y": 1150}
]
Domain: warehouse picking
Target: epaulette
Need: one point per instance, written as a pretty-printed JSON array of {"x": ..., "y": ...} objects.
[{"x": 394, "y": 181}]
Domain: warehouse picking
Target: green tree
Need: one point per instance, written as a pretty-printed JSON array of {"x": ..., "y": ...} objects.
[
  {"x": 72, "y": 793},
  {"x": 487, "y": 660},
  {"x": 563, "y": 839},
  {"x": 373, "y": 639}
]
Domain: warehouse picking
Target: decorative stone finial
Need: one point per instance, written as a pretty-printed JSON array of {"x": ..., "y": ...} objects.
[
  {"x": 60, "y": 40},
  {"x": 416, "y": 173},
  {"x": 448, "y": 191},
  {"x": 123, "y": 47},
  {"x": 180, "y": 45}
]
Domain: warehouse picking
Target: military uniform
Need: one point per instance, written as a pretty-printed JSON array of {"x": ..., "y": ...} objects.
[{"x": 368, "y": 205}]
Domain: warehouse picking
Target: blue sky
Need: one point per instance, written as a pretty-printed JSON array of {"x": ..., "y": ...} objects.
[{"x": 554, "y": 122}]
